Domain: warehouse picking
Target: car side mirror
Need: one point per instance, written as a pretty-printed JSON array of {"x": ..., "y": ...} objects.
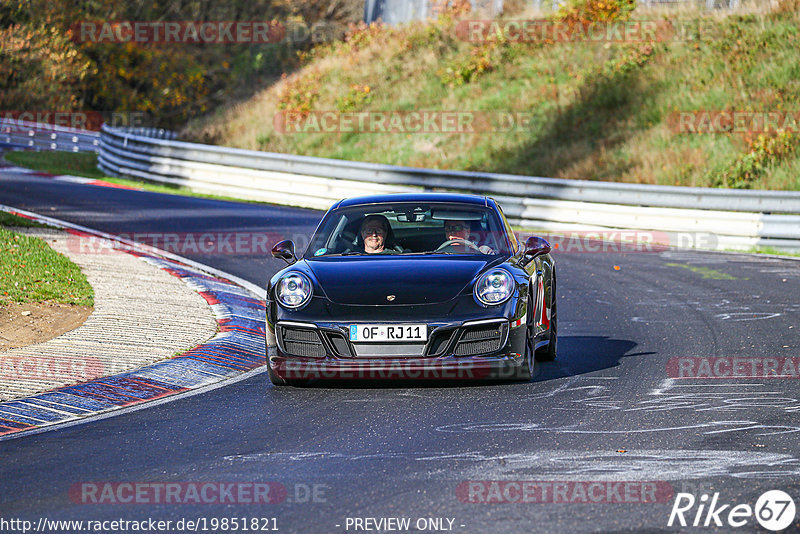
[
  {"x": 284, "y": 250},
  {"x": 536, "y": 246}
]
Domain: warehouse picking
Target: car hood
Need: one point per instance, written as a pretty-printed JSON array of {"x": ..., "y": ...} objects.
[{"x": 361, "y": 280}]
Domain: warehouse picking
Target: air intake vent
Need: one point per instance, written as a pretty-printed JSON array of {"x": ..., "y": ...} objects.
[
  {"x": 302, "y": 342},
  {"x": 481, "y": 339}
]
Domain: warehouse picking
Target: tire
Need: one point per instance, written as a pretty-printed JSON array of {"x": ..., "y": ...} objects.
[{"x": 548, "y": 353}]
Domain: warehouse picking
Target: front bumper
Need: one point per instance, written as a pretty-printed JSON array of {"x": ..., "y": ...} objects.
[
  {"x": 506, "y": 367},
  {"x": 472, "y": 350}
]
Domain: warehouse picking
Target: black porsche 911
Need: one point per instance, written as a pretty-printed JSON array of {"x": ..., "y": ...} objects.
[{"x": 416, "y": 286}]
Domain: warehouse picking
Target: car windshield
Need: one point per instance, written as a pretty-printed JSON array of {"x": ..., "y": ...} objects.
[{"x": 410, "y": 228}]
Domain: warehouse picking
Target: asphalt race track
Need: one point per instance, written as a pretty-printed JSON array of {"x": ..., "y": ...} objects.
[{"x": 610, "y": 409}]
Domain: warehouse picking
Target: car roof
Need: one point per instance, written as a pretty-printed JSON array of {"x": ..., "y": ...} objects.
[{"x": 415, "y": 197}]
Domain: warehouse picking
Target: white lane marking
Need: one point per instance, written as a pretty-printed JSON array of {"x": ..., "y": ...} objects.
[
  {"x": 746, "y": 316},
  {"x": 13, "y": 416},
  {"x": 46, "y": 408},
  {"x": 572, "y": 429},
  {"x": 73, "y": 179},
  {"x": 739, "y": 385}
]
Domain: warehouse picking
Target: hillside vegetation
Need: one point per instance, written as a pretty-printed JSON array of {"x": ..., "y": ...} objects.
[
  {"x": 48, "y": 63},
  {"x": 594, "y": 110}
]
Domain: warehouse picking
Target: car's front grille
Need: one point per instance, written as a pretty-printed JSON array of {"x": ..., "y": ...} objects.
[
  {"x": 481, "y": 339},
  {"x": 302, "y": 342}
]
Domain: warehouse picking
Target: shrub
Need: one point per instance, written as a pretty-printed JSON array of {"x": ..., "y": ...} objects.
[
  {"x": 356, "y": 98},
  {"x": 765, "y": 151},
  {"x": 362, "y": 35},
  {"x": 467, "y": 68},
  {"x": 583, "y": 12},
  {"x": 299, "y": 94}
]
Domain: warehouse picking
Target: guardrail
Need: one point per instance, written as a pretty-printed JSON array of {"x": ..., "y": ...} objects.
[
  {"x": 38, "y": 136},
  {"x": 733, "y": 219}
]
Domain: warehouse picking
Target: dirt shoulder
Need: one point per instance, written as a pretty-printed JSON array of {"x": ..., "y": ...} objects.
[{"x": 30, "y": 323}]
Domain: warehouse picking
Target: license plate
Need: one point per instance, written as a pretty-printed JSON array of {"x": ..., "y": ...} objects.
[{"x": 361, "y": 333}]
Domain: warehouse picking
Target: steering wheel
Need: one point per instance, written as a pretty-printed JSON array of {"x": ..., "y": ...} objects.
[{"x": 463, "y": 242}]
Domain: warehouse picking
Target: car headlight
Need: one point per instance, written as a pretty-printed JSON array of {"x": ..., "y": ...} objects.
[
  {"x": 494, "y": 287},
  {"x": 294, "y": 290}
]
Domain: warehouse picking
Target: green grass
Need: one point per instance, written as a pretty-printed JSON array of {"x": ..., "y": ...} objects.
[
  {"x": 598, "y": 111},
  {"x": 55, "y": 162},
  {"x": 772, "y": 251},
  {"x": 31, "y": 271},
  {"x": 705, "y": 272},
  {"x": 7, "y": 219}
]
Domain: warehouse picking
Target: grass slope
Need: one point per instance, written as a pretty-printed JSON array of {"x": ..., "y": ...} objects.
[{"x": 598, "y": 111}]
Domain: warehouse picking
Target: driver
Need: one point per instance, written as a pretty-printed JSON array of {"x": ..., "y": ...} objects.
[
  {"x": 377, "y": 236},
  {"x": 458, "y": 231},
  {"x": 373, "y": 233}
]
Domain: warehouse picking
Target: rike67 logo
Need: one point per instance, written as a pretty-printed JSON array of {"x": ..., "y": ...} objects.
[{"x": 774, "y": 510}]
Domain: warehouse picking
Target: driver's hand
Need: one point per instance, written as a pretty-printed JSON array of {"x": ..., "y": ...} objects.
[{"x": 486, "y": 249}]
